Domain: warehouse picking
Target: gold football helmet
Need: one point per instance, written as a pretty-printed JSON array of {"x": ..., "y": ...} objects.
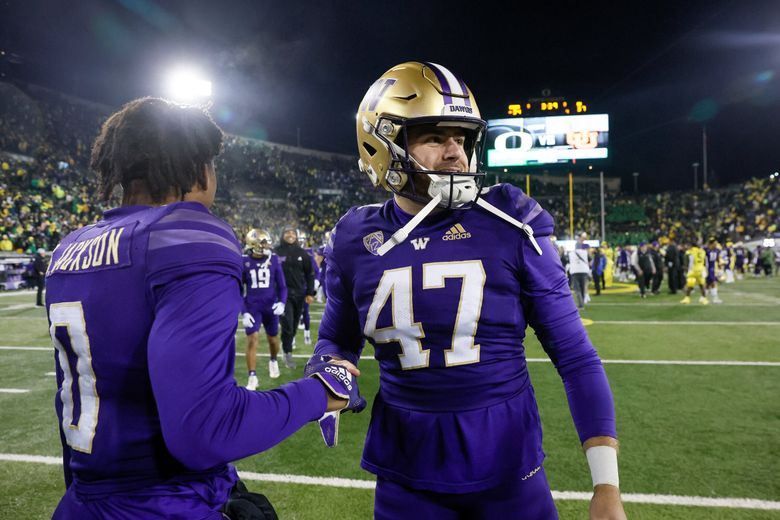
[
  {"x": 259, "y": 241},
  {"x": 418, "y": 93}
]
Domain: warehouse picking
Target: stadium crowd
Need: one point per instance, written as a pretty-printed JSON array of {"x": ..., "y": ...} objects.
[{"x": 46, "y": 187}]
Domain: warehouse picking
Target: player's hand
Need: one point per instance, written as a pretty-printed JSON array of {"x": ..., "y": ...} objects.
[
  {"x": 247, "y": 320},
  {"x": 338, "y": 376},
  {"x": 308, "y": 299},
  {"x": 278, "y": 308},
  {"x": 606, "y": 503}
]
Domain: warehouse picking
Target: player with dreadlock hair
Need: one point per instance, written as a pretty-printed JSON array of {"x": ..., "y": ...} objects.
[
  {"x": 130, "y": 151},
  {"x": 143, "y": 309}
]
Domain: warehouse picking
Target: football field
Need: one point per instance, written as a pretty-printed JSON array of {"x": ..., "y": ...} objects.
[{"x": 697, "y": 392}]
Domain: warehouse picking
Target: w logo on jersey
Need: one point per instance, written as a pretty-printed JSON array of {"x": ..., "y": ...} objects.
[{"x": 420, "y": 243}]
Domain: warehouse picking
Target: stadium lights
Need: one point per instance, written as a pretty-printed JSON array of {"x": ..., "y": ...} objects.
[{"x": 185, "y": 85}]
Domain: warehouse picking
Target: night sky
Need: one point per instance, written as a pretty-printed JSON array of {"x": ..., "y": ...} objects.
[{"x": 661, "y": 69}]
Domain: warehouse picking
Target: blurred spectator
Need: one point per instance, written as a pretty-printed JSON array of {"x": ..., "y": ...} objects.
[
  {"x": 38, "y": 278},
  {"x": 599, "y": 265},
  {"x": 644, "y": 266},
  {"x": 673, "y": 269}
]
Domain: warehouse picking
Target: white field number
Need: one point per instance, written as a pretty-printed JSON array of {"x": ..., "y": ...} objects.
[
  {"x": 396, "y": 285},
  {"x": 71, "y": 316}
]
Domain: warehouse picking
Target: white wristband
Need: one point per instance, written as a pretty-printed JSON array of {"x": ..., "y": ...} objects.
[{"x": 603, "y": 465}]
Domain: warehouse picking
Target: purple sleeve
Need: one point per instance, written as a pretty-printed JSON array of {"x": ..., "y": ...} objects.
[
  {"x": 244, "y": 291},
  {"x": 206, "y": 419},
  {"x": 340, "y": 332},
  {"x": 308, "y": 274},
  {"x": 315, "y": 268},
  {"x": 281, "y": 284},
  {"x": 551, "y": 312}
]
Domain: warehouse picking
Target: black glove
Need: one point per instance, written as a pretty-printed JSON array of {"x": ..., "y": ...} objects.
[{"x": 245, "y": 505}]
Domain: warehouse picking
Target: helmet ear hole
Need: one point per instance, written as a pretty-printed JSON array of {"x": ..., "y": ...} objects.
[{"x": 370, "y": 149}]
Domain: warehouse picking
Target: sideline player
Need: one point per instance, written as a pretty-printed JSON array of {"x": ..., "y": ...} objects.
[
  {"x": 264, "y": 301},
  {"x": 142, "y": 310},
  {"x": 713, "y": 255},
  {"x": 697, "y": 260},
  {"x": 305, "y": 323},
  {"x": 444, "y": 293}
]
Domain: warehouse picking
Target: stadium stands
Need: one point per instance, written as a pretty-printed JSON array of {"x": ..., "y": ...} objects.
[{"x": 46, "y": 189}]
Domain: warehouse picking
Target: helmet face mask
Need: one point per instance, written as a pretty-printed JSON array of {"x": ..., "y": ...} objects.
[
  {"x": 259, "y": 242},
  {"x": 414, "y": 94}
]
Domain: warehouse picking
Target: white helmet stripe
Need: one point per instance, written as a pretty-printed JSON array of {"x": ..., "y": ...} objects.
[{"x": 456, "y": 86}]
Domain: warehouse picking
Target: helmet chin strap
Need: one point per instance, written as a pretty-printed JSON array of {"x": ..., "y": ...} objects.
[
  {"x": 503, "y": 216},
  {"x": 436, "y": 189},
  {"x": 401, "y": 235}
]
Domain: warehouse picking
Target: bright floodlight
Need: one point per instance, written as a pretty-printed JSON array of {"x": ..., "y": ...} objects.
[{"x": 187, "y": 86}]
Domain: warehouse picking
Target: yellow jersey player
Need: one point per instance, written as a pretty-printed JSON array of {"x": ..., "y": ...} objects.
[{"x": 697, "y": 269}]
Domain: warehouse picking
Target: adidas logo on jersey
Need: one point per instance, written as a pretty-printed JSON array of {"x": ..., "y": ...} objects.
[{"x": 456, "y": 232}]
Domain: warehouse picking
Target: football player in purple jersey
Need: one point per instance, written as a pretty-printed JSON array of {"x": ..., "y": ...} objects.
[
  {"x": 442, "y": 280},
  {"x": 713, "y": 266},
  {"x": 264, "y": 299},
  {"x": 305, "y": 315},
  {"x": 740, "y": 260},
  {"x": 142, "y": 310},
  {"x": 319, "y": 257}
]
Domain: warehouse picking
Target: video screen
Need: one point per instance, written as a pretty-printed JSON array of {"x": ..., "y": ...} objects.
[{"x": 536, "y": 141}]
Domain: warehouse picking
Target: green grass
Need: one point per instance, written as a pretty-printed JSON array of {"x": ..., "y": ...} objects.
[{"x": 699, "y": 430}]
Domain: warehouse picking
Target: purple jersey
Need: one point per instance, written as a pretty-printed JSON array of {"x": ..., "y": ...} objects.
[
  {"x": 739, "y": 256},
  {"x": 314, "y": 267},
  {"x": 323, "y": 269},
  {"x": 446, "y": 312},
  {"x": 142, "y": 310},
  {"x": 264, "y": 282},
  {"x": 713, "y": 255},
  {"x": 623, "y": 258}
]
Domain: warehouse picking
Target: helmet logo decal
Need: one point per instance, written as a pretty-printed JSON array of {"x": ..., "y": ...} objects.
[
  {"x": 375, "y": 93},
  {"x": 450, "y": 86}
]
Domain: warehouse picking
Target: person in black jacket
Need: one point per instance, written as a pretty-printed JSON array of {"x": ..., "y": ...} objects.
[
  {"x": 672, "y": 259},
  {"x": 644, "y": 267},
  {"x": 299, "y": 276},
  {"x": 658, "y": 263},
  {"x": 38, "y": 277}
]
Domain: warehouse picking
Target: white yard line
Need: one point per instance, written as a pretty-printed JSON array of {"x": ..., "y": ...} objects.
[
  {"x": 19, "y": 306},
  {"x": 13, "y": 391},
  {"x": 672, "y": 322},
  {"x": 529, "y": 360},
  {"x": 674, "y": 362},
  {"x": 18, "y": 293},
  {"x": 10, "y": 347},
  {"x": 675, "y": 304},
  {"x": 676, "y": 500}
]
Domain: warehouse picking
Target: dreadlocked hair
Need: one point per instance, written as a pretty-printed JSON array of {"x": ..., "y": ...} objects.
[{"x": 163, "y": 145}]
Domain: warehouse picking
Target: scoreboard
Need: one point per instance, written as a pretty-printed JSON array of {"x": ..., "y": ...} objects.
[
  {"x": 546, "y": 140},
  {"x": 546, "y": 106}
]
